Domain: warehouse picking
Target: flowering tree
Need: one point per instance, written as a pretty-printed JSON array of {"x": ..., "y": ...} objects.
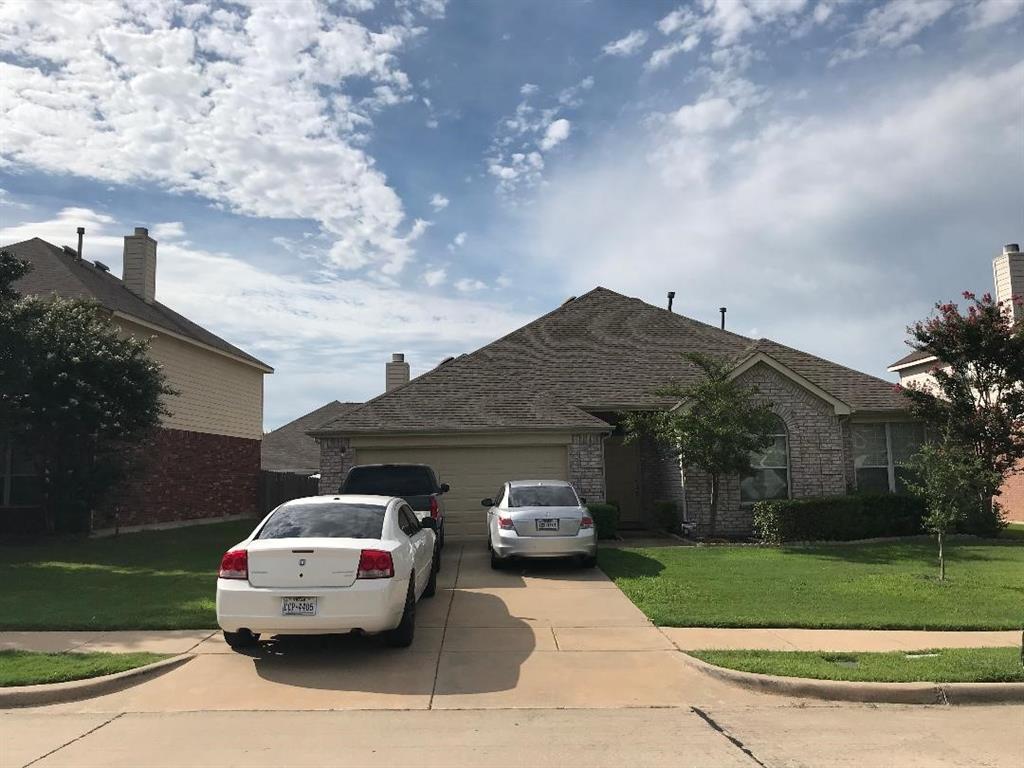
[
  {"x": 977, "y": 399},
  {"x": 73, "y": 392}
]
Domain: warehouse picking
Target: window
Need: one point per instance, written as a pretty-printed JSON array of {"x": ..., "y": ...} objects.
[
  {"x": 20, "y": 484},
  {"x": 332, "y": 521},
  {"x": 391, "y": 480},
  {"x": 408, "y": 522},
  {"x": 769, "y": 478},
  {"x": 879, "y": 452},
  {"x": 542, "y": 496}
]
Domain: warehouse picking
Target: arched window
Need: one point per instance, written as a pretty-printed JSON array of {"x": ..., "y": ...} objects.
[{"x": 769, "y": 478}]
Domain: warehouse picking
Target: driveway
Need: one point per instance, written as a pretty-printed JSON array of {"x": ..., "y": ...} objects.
[{"x": 548, "y": 635}]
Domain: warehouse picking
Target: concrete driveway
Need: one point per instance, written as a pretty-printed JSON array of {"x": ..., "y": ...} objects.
[{"x": 549, "y": 635}]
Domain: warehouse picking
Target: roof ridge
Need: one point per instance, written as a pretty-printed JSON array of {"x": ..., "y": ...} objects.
[{"x": 824, "y": 360}]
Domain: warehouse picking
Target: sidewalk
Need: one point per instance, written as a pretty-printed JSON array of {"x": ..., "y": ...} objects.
[{"x": 685, "y": 639}]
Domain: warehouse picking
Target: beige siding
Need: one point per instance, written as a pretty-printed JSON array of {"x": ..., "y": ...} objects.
[
  {"x": 918, "y": 375},
  {"x": 217, "y": 395}
]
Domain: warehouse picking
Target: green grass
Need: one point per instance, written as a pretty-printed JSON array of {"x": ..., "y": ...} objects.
[
  {"x": 887, "y": 585},
  {"x": 150, "y": 580},
  {"x": 947, "y": 665},
  {"x": 28, "y": 668},
  {"x": 1013, "y": 532}
]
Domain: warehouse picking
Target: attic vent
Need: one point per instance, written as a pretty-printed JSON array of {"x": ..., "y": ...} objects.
[
  {"x": 70, "y": 251},
  {"x": 445, "y": 361},
  {"x": 101, "y": 266},
  {"x": 571, "y": 298}
]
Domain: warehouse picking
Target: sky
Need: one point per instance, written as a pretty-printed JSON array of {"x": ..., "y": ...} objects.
[{"x": 331, "y": 182}]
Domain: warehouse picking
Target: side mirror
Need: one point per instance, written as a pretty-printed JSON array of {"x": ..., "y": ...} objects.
[
  {"x": 487, "y": 503},
  {"x": 429, "y": 523},
  {"x": 445, "y": 487}
]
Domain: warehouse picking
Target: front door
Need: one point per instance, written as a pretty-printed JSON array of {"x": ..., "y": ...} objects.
[{"x": 622, "y": 479}]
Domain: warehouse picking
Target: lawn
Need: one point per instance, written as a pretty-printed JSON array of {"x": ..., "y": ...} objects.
[
  {"x": 150, "y": 580},
  {"x": 28, "y": 668},
  {"x": 947, "y": 665},
  {"x": 887, "y": 585}
]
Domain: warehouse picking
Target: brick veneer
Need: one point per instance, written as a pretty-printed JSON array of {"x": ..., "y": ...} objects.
[
  {"x": 1011, "y": 498},
  {"x": 337, "y": 457},
  {"x": 586, "y": 466},
  {"x": 183, "y": 475}
]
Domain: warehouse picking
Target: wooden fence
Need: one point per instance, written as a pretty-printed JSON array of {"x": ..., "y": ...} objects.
[{"x": 278, "y": 487}]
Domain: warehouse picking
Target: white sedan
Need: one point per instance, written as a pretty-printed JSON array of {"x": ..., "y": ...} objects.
[{"x": 328, "y": 564}]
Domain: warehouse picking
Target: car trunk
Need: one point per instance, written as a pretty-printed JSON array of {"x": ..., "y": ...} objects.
[
  {"x": 306, "y": 562},
  {"x": 537, "y": 521}
]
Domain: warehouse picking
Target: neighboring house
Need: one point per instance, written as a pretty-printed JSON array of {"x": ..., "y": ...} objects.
[
  {"x": 916, "y": 368},
  {"x": 204, "y": 460},
  {"x": 289, "y": 448},
  {"x": 545, "y": 402}
]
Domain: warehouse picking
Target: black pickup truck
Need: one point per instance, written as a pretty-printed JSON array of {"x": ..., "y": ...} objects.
[{"x": 416, "y": 483}]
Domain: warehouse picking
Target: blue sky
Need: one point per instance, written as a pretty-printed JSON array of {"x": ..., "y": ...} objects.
[{"x": 333, "y": 182}]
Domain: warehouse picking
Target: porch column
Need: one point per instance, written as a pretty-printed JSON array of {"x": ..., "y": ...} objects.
[
  {"x": 336, "y": 458},
  {"x": 586, "y": 466}
]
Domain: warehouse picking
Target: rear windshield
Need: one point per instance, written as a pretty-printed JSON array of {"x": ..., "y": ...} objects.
[
  {"x": 543, "y": 496},
  {"x": 390, "y": 481},
  {"x": 331, "y": 521}
]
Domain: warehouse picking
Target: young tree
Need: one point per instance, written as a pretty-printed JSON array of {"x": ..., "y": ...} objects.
[
  {"x": 978, "y": 395},
  {"x": 953, "y": 480},
  {"x": 717, "y": 426},
  {"x": 73, "y": 392}
]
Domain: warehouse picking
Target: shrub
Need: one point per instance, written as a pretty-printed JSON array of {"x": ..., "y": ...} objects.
[
  {"x": 838, "y": 518},
  {"x": 666, "y": 516},
  {"x": 606, "y": 519}
]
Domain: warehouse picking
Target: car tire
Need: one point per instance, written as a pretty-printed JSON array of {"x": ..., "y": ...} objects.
[
  {"x": 589, "y": 561},
  {"x": 241, "y": 639},
  {"x": 402, "y": 635},
  {"x": 431, "y": 589},
  {"x": 497, "y": 563}
]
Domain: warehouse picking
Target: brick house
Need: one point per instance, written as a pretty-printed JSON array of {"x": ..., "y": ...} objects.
[
  {"x": 546, "y": 401},
  {"x": 204, "y": 460},
  {"x": 916, "y": 367}
]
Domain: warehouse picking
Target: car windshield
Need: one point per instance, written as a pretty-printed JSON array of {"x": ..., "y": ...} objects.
[
  {"x": 331, "y": 521},
  {"x": 390, "y": 481},
  {"x": 543, "y": 496}
]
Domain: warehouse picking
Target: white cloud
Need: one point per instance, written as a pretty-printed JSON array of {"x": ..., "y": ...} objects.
[
  {"x": 708, "y": 114},
  {"x": 117, "y": 92},
  {"x": 556, "y": 133},
  {"x": 435, "y": 277},
  {"x": 439, "y": 202},
  {"x": 628, "y": 45},
  {"x": 168, "y": 230},
  {"x": 528, "y": 89},
  {"x": 469, "y": 285},
  {"x": 892, "y": 25},
  {"x": 989, "y": 13},
  {"x": 664, "y": 55},
  {"x": 460, "y": 240}
]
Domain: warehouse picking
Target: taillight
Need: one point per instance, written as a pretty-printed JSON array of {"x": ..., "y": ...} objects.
[
  {"x": 505, "y": 523},
  {"x": 587, "y": 522},
  {"x": 434, "y": 508},
  {"x": 375, "y": 564},
  {"x": 234, "y": 565}
]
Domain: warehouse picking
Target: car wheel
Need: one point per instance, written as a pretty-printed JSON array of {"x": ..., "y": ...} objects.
[
  {"x": 497, "y": 563},
  {"x": 402, "y": 635},
  {"x": 589, "y": 561},
  {"x": 241, "y": 639},
  {"x": 437, "y": 559},
  {"x": 431, "y": 589}
]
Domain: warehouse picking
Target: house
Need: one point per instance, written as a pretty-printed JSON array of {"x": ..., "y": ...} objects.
[
  {"x": 545, "y": 401},
  {"x": 916, "y": 368},
  {"x": 289, "y": 448},
  {"x": 204, "y": 460}
]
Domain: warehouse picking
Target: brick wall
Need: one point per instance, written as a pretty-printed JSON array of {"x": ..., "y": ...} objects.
[
  {"x": 586, "y": 466},
  {"x": 180, "y": 476},
  {"x": 1011, "y": 499},
  {"x": 337, "y": 457}
]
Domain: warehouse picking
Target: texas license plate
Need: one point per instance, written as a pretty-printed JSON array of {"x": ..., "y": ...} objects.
[
  {"x": 547, "y": 525},
  {"x": 298, "y": 606}
]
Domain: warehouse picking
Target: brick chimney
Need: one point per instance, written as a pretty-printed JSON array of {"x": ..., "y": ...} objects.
[
  {"x": 396, "y": 373},
  {"x": 139, "y": 270},
  {"x": 1008, "y": 274}
]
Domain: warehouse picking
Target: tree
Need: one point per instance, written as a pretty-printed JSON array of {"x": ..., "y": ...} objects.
[
  {"x": 74, "y": 393},
  {"x": 719, "y": 423},
  {"x": 953, "y": 480},
  {"x": 978, "y": 395}
]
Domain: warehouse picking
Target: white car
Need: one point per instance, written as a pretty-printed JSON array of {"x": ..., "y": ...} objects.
[{"x": 325, "y": 565}]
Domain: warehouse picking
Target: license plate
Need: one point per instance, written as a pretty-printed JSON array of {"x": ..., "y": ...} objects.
[
  {"x": 547, "y": 525},
  {"x": 298, "y": 606}
]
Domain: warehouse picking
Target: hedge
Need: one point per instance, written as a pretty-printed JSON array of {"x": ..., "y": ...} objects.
[
  {"x": 606, "y": 519},
  {"x": 838, "y": 518}
]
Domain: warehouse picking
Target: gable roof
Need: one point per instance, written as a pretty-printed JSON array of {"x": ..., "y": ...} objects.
[
  {"x": 289, "y": 448},
  {"x": 56, "y": 271},
  {"x": 600, "y": 352},
  {"x": 914, "y": 358}
]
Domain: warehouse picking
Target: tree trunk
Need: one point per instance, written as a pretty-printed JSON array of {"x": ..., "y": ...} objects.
[
  {"x": 713, "y": 515},
  {"x": 942, "y": 560}
]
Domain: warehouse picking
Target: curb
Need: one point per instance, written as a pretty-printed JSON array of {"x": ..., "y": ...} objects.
[
  {"x": 76, "y": 690},
  {"x": 871, "y": 693}
]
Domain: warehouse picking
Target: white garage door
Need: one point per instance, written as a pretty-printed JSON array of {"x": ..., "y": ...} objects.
[{"x": 475, "y": 473}]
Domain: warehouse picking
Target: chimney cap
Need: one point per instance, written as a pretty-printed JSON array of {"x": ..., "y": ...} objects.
[
  {"x": 398, "y": 357},
  {"x": 80, "y": 230},
  {"x": 141, "y": 232},
  {"x": 1011, "y": 248}
]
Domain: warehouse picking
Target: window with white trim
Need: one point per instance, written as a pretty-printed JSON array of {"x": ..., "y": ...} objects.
[
  {"x": 769, "y": 477},
  {"x": 881, "y": 451}
]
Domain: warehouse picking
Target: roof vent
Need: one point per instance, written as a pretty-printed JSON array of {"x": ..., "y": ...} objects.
[
  {"x": 70, "y": 251},
  {"x": 571, "y": 298},
  {"x": 446, "y": 361},
  {"x": 101, "y": 266}
]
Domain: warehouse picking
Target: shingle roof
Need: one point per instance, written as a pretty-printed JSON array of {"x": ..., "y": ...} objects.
[
  {"x": 916, "y": 356},
  {"x": 600, "y": 352},
  {"x": 290, "y": 449},
  {"x": 56, "y": 271}
]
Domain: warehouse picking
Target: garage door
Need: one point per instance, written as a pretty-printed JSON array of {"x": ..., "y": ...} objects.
[{"x": 475, "y": 474}]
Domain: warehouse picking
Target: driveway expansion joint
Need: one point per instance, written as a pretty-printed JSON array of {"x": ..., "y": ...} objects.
[
  {"x": 72, "y": 741},
  {"x": 732, "y": 739}
]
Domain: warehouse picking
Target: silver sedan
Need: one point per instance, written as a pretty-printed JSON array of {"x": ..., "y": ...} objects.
[{"x": 539, "y": 518}]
